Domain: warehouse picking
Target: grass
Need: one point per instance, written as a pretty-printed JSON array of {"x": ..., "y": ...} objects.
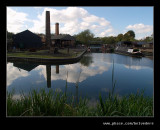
[
  {"x": 42, "y": 103},
  {"x": 44, "y": 54},
  {"x": 133, "y": 105}
]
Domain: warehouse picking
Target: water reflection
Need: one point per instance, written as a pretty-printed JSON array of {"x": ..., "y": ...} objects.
[
  {"x": 127, "y": 61},
  {"x": 91, "y": 75},
  {"x": 48, "y": 71},
  {"x": 86, "y": 60},
  {"x": 14, "y": 73},
  {"x": 28, "y": 67}
]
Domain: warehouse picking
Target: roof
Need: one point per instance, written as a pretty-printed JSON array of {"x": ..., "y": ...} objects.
[
  {"x": 66, "y": 37},
  {"x": 141, "y": 43}
]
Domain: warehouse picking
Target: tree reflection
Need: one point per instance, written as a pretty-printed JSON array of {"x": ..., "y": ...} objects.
[{"x": 86, "y": 60}]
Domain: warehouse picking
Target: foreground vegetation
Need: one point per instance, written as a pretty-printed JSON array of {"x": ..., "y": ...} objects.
[{"x": 43, "y": 103}]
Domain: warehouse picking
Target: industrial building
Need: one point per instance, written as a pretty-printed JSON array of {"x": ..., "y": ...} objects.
[{"x": 27, "y": 40}]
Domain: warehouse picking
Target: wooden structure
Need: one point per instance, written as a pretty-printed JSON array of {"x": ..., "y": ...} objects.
[{"x": 27, "y": 40}]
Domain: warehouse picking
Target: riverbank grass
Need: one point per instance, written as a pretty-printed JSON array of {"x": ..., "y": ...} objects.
[
  {"x": 62, "y": 53},
  {"x": 42, "y": 103}
]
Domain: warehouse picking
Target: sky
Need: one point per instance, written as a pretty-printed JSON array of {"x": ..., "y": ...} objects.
[{"x": 102, "y": 21}]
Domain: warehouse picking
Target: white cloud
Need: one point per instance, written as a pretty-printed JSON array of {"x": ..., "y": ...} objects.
[
  {"x": 108, "y": 32},
  {"x": 16, "y": 20},
  {"x": 72, "y": 20},
  {"x": 141, "y": 30}
]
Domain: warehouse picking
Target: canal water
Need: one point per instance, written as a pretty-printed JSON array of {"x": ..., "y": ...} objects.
[{"x": 92, "y": 74}]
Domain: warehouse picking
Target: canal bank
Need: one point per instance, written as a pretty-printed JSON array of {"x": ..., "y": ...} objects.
[{"x": 58, "y": 60}]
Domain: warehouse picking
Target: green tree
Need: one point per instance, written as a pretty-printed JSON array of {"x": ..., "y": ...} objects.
[
  {"x": 85, "y": 37},
  {"x": 10, "y": 35},
  {"x": 119, "y": 37},
  {"x": 109, "y": 40},
  {"x": 129, "y": 36},
  {"x": 148, "y": 39}
]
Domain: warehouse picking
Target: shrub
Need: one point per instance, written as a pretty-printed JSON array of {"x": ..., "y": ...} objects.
[{"x": 135, "y": 50}]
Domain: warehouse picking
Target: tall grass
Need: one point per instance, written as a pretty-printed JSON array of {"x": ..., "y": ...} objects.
[
  {"x": 134, "y": 105},
  {"x": 51, "y": 103}
]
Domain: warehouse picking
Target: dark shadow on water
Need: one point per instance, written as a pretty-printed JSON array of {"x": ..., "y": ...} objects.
[{"x": 86, "y": 60}]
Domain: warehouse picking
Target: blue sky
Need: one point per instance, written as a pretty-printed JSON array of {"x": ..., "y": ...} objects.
[{"x": 102, "y": 21}]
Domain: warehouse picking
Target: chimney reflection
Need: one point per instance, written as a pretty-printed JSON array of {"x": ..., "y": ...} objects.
[
  {"x": 48, "y": 73},
  {"x": 57, "y": 69}
]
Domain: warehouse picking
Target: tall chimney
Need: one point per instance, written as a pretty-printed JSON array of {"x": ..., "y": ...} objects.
[
  {"x": 48, "y": 31},
  {"x": 57, "y": 29}
]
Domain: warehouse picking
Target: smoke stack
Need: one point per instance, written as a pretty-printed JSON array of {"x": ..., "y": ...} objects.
[
  {"x": 57, "y": 29},
  {"x": 48, "y": 31}
]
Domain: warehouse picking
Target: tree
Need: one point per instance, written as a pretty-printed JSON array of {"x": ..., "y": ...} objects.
[
  {"x": 10, "y": 35},
  {"x": 119, "y": 37},
  {"x": 131, "y": 33},
  {"x": 129, "y": 36},
  {"x": 109, "y": 40},
  {"x": 148, "y": 39},
  {"x": 85, "y": 37}
]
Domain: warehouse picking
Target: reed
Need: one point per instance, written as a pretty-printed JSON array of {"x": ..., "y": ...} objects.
[{"x": 42, "y": 103}]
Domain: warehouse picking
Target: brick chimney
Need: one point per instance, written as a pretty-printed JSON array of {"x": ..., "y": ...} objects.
[
  {"x": 48, "y": 31},
  {"x": 57, "y": 29}
]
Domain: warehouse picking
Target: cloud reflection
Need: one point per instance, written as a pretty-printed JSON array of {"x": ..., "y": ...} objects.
[
  {"x": 14, "y": 73},
  {"x": 134, "y": 67},
  {"x": 74, "y": 70}
]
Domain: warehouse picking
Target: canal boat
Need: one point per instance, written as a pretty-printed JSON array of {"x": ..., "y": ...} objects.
[
  {"x": 129, "y": 51},
  {"x": 135, "y": 52}
]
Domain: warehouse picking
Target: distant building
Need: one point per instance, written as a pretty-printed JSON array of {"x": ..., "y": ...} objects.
[
  {"x": 27, "y": 40},
  {"x": 125, "y": 43},
  {"x": 135, "y": 44},
  {"x": 146, "y": 44},
  {"x": 63, "y": 40}
]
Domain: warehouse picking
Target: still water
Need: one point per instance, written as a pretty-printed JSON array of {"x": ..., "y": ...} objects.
[{"x": 93, "y": 74}]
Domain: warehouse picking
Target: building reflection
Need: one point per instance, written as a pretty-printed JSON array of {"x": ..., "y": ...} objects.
[
  {"x": 28, "y": 67},
  {"x": 25, "y": 66}
]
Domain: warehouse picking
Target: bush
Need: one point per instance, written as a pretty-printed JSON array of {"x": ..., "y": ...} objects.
[
  {"x": 135, "y": 50},
  {"x": 111, "y": 50}
]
